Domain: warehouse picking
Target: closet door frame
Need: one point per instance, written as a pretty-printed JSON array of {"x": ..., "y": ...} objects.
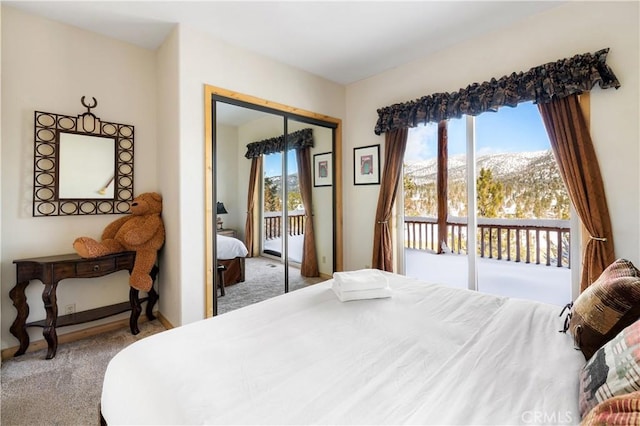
[{"x": 213, "y": 94}]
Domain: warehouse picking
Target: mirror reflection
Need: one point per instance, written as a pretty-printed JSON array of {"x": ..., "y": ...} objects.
[
  {"x": 82, "y": 165},
  {"x": 310, "y": 236},
  {"x": 86, "y": 166},
  {"x": 266, "y": 184}
]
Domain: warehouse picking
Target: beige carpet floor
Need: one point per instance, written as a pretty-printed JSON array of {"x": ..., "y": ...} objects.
[
  {"x": 64, "y": 390},
  {"x": 264, "y": 278}
]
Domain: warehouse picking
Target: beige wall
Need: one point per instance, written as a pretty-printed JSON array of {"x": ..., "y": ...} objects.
[
  {"x": 168, "y": 152},
  {"x": 205, "y": 60},
  {"x": 48, "y": 66},
  {"x": 574, "y": 28},
  {"x": 229, "y": 190}
]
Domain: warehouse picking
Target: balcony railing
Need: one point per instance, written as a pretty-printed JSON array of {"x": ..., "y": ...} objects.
[
  {"x": 273, "y": 224},
  {"x": 544, "y": 242}
]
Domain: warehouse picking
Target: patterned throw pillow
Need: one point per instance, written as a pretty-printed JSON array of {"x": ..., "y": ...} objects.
[
  {"x": 620, "y": 410},
  {"x": 614, "y": 370},
  {"x": 607, "y": 306}
]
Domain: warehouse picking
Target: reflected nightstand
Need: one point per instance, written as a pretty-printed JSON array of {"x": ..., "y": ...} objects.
[{"x": 227, "y": 232}]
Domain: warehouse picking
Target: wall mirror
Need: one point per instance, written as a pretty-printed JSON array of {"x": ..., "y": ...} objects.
[
  {"x": 82, "y": 165},
  {"x": 260, "y": 165}
]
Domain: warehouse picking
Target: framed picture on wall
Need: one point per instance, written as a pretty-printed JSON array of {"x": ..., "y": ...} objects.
[
  {"x": 322, "y": 171},
  {"x": 366, "y": 165}
]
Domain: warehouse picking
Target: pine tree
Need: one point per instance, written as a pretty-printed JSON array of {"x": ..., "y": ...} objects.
[
  {"x": 413, "y": 197},
  {"x": 272, "y": 202},
  {"x": 490, "y": 194},
  {"x": 294, "y": 199}
]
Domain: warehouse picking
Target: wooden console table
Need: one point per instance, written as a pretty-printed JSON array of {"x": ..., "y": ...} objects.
[{"x": 51, "y": 270}]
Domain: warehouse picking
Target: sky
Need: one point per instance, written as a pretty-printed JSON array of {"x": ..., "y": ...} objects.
[
  {"x": 509, "y": 129},
  {"x": 273, "y": 164}
]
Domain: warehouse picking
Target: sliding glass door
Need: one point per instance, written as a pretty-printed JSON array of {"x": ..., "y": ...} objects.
[
  {"x": 523, "y": 209},
  {"x": 484, "y": 207},
  {"x": 435, "y": 204}
]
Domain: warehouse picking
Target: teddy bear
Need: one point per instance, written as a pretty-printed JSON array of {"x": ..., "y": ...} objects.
[{"x": 141, "y": 231}]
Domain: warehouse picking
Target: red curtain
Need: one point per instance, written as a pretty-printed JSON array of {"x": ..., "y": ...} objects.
[
  {"x": 309, "y": 266},
  {"x": 576, "y": 158},
  {"x": 249, "y": 232},
  {"x": 395, "y": 145}
]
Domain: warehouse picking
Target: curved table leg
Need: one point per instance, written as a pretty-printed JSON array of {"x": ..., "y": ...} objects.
[
  {"x": 51, "y": 306},
  {"x": 135, "y": 310},
  {"x": 134, "y": 301},
  {"x": 18, "y": 328},
  {"x": 152, "y": 298},
  {"x": 152, "y": 295}
]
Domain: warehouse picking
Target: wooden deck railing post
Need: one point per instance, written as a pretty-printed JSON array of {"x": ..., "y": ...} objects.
[
  {"x": 548, "y": 249},
  {"x": 559, "y": 248},
  {"x": 490, "y": 243},
  {"x": 273, "y": 225},
  {"x": 441, "y": 183},
  {"x": 504, "y": 234}
]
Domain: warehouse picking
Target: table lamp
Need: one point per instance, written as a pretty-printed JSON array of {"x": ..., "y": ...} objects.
[{"x": 220, "y": 210}]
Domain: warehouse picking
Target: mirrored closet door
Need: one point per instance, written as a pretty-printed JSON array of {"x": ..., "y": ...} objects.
[{"x": 271, "y": 200}]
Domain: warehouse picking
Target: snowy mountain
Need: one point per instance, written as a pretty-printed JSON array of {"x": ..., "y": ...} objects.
[
  {"x": 531, "y": 186},
  {"x": 292, "y": 183},
  {"x": 501, "y": 165}
]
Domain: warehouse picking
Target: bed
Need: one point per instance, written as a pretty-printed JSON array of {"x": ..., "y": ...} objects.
[
  {"x": 231, "y": 253},
  {"x": 429, "y": 354}
]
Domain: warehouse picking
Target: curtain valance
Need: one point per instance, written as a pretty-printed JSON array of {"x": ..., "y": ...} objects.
[
  {"x": 296, "y": 140},
  {"x": 540, "y": 84}
]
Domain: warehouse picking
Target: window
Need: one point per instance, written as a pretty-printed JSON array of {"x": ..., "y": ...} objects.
[
  {"x": 521, "y": 209},
  {"x": 272, "y": 196}
]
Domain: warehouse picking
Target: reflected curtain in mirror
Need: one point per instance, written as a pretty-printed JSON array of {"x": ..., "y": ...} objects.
[
  {"x": 296, "y": 140},
  {"x": 301, "y": 141},
  {"x": 251, "y": 225},
  {"x": 309, "y": 265}
]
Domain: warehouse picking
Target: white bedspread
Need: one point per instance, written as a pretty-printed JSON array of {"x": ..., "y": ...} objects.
[
  {"x": 229, "y": 248},
  {"x": 428, "y": 355}
]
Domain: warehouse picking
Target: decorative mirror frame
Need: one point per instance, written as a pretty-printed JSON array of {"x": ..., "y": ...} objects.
[{"x": 47, "y": 129}]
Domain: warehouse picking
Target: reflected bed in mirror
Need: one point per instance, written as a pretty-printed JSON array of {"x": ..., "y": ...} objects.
[{"x": 82, "y": 165}]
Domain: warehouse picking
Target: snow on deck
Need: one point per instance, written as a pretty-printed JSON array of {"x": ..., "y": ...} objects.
[{"x": 548, "y": 284}]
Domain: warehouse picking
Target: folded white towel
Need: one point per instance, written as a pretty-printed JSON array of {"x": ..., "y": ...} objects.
[
  {"x": 345, "y": 296},
  {"x": 364, "y": 279}
]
